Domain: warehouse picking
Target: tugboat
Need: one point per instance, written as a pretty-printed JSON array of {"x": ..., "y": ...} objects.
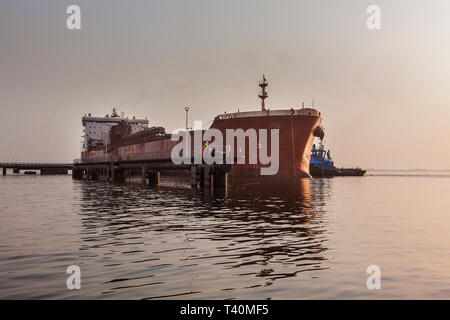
[{"x": 321, "y": 164}]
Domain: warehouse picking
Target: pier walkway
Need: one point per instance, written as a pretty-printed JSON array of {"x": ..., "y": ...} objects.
[
  {"x": 44, "y": 168},
  {"x": 147, "y": 165}
]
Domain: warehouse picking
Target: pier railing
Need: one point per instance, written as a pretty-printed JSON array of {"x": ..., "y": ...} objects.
[
  {"x": 94, "y": 159},
  {"x": 143, "y": 156},
  {"x": 31, "y": 165},
  {"x": 157, "y": 155}
]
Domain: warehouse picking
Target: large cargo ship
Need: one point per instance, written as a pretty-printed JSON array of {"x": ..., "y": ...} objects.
[{"x": 132, "y": 139}]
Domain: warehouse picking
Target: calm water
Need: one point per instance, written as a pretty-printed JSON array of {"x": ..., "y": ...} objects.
[{"x": 290, "y": 240}]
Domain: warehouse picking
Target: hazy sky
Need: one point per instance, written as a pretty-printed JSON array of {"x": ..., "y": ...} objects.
[{"x": 384, "y": 94}]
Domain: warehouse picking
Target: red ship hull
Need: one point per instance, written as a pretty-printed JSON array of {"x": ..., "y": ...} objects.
[{"x": 297, "y": 129}]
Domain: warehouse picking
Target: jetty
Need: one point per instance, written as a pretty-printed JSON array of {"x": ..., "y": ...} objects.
[
  {"x": 149, "y": 166},
  {"x": 44, "y": 168}
]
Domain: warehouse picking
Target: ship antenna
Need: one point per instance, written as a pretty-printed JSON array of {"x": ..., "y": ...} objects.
[{"x": 263, "y": 95}]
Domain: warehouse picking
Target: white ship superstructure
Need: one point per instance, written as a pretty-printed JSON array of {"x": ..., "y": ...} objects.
[{"x": 97, "y": 129}]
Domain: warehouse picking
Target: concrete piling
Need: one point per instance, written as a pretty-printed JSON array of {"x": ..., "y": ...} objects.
[
  {"x": 207, "y": 176},
  {"x": 77, "y": 174},
  {"x": 194, "y": 176},
  {"x": 154, "y": 178},
  {"x": 144, "y": 178},
  {"x": 94, "y": 175},
  {"x": 119, "y": 175},
  {"x": 220, "y": 180}
]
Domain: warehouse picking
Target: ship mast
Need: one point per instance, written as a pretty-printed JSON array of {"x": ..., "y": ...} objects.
[{"x": 263, "y": 95}]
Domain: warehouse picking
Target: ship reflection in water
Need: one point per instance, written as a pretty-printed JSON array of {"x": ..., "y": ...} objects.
[
  {"x": 257, "y": 240},
  {"x": 310, "y": 238}
]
